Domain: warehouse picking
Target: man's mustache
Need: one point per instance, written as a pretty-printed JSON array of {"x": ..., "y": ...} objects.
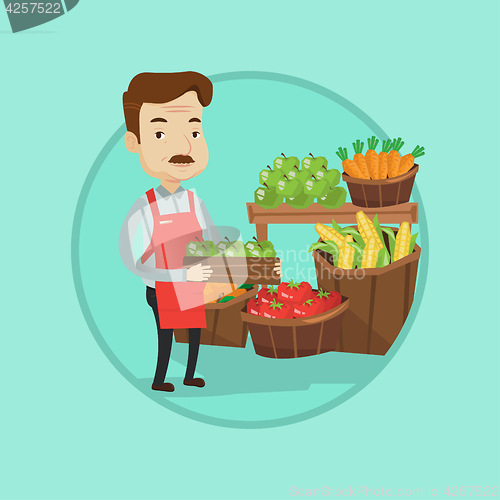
[{"x": 181, "y": 159}]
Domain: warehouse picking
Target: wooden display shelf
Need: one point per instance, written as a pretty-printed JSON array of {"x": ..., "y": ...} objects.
[{"x": 346, "y": 214}]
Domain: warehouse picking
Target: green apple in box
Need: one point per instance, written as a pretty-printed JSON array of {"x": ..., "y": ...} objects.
[
  {"x": 285, "y": 165},
  {"x": 267, "y": 197},
  {"x": 269, "y": 177},
  {"x": 334, "y": 198},
  {"x": 302, "y": 200},
  {"x": 208, "y": 248},
  {"x": 200, "y": 248},
  {"x": 223, "y": 245},
  {"x": 237, "y": 249},
  {"x": 289, "y": 187},
  {"x": 314, "y": 164},
  {"x": 260, "y": 248},
  {"x": 316, "y": 187},
  {"x": 253, "y": 244},
  {"x": 192, "y": 248}
]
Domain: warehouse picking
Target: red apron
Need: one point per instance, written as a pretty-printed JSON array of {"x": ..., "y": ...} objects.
[{"x": 180, "y": 304}]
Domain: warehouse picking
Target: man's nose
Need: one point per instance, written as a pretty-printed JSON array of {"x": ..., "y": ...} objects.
[{"x": 183, "y": 144}]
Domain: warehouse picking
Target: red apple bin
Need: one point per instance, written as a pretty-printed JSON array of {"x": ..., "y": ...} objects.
[
  {"x": 298, "y": 337},
  {"x": 370, "y": 193}
]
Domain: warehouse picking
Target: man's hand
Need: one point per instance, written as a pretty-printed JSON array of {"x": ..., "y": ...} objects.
[
  {"x": 199, "y": 273},
  {"x": 277, "y": 269}
]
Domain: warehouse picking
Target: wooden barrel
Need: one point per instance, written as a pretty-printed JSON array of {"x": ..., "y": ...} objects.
[
  {"x": 225, "y": 326},
  {"x": 379, "y": 300},
  {"x": 298, "y": 337},
  {"x": 381, "y": 192}
]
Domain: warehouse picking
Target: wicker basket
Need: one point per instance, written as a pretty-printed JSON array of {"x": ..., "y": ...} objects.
[
  {"x": 381, "y": 192},
  {"x": 225, "y": 326},
  {"x": 380, "y": 300},
  {"x": 296, "y": 338}
]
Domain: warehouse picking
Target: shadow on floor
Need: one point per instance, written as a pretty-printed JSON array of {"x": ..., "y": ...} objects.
[{"x": 240, "y": 371}]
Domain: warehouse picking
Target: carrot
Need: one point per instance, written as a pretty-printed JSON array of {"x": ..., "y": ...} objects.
[
  {"x": 394, "y": 158},
  {"x": 408, "y": 160},
  {"x": 382, "y": 159},
  {"x": 350, "y": 167},
  {"x": 360, "y": 159},
  {"x": 372, "y": 157}
]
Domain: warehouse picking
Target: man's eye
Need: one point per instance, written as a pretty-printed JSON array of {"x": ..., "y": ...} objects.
[
  {"x": 159, "y": 135},
  {"x": 195, "y": 135}
]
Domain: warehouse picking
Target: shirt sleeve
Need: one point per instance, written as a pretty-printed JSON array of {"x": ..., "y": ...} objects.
[
  {"x": 212, "y": 234},
  {"x": 137, "y": 220}
]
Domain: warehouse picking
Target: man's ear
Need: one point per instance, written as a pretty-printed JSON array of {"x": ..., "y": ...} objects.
[{"x": 131, "y": 142}]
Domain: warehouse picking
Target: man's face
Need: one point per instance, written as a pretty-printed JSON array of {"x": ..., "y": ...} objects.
[{"x": 172, "y": 146}]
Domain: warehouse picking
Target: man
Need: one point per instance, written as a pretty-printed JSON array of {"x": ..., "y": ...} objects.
[{"x": 163, "y": 114}]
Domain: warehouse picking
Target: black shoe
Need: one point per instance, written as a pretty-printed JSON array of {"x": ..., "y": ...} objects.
[
  {"x": 196, "y": 382},
  {"x": 166, "y": 387}
]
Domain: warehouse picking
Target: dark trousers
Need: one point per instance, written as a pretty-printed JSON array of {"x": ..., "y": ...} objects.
[{"x": 165, "y": 344}]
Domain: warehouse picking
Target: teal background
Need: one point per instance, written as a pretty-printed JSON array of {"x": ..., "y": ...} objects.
[
  {"x": 73, "y": 427},
  {"x": 244, "y": 390}
]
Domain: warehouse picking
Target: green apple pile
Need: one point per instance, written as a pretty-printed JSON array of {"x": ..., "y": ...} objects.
[{"x": 298, "y": 184}]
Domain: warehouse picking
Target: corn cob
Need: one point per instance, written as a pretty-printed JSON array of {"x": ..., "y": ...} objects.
[
  {"x": 402, "y": 245},
  {"x": 367, "y": 229},
  {"x": 346, "y": 254},
  {"x": 328, "y": 233},
  {"x": 370, "y": 254}
]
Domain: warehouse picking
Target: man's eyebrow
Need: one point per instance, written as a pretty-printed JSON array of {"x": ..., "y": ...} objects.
[
  {"x": 158, "y": 120},
  {"x": 194, "y": 120}
]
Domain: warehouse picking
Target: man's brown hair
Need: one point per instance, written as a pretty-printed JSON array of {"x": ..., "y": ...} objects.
[{"x": 157, "y": 88}]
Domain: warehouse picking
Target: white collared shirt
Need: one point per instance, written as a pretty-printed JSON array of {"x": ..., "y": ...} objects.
[{"x": 137, "y": 229}]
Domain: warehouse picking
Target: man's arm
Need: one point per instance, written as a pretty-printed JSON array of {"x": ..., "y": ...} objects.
[
  {"x": 146, "y": 270},
  {"x": 212, "y": 234}
]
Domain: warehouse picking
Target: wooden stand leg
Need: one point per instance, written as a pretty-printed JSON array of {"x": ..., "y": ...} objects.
[{"x": 261, "y": 230}]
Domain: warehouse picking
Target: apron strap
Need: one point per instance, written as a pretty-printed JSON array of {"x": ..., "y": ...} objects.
[
  {"x": 154, "y": 210},
  {"x": 191, "y": 200},
  {"x": 152, "y": 203}
]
